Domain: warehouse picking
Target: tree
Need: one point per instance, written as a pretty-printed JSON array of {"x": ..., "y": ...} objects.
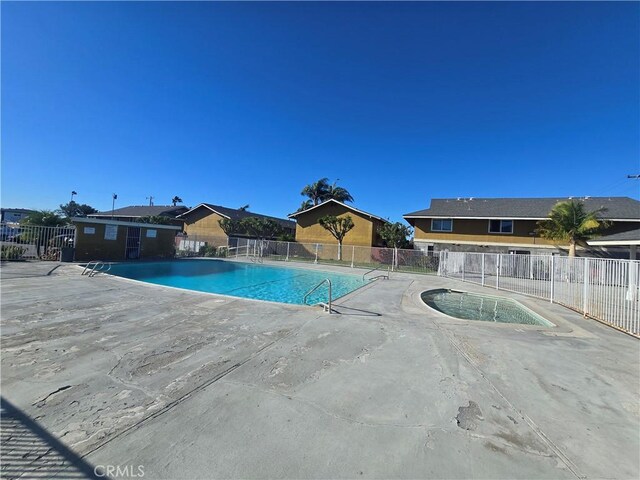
[
  {"x": 321, "y": 191},
  {"x": 244, "y": 208},
  {"x": 156, "y": 219},
  {"x": 395, "y": 235},
  {"x": 176, "y": 200},
  {"x": 260, "y": 227},
  {"x": 338, "y": 227},
  {"x": 317, "y": 191},
  {"x": 568, "y": 221},
  {"x": 74, "y": 209},
  {"x": 229, "y": 226},
  {"x": 44, "y": 218}
]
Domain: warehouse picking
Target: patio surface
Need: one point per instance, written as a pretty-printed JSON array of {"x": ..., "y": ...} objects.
[{"x": 109, "y": 372}]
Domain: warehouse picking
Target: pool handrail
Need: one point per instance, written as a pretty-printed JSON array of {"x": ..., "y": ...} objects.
[
  {"x": 306, "y": 295},
  {"x": 98, "y": 266},
  {"x": 377, "y": 276}
]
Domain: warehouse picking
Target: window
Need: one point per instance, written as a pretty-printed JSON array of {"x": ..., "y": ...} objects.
[
  {"x": 500, "y": 226},
  {"x": 441, "y": 225}
]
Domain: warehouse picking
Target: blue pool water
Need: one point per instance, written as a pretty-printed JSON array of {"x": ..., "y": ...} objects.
[{"x": 276, "y": 284}]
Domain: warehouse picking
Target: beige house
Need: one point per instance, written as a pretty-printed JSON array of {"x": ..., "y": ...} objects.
[
  {"x": 364, "y": 232},
  {"x": 508, "y": 225},
  {"x": 202, "y": 222}
]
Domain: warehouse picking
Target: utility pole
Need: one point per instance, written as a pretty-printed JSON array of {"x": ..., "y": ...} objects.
[
  {"x": 150, "y": 201},
  {"x": 73, "y": 192},
  {"x": 113, "y": 204}
]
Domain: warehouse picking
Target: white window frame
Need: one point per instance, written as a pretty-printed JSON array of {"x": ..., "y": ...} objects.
[
  {"x": 440, "y": 219},
  {"x": 501, "y": 232}
]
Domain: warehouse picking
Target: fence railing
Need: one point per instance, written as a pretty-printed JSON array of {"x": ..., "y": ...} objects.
[
  {"x": 603, "y": 289},
  {"x": 35, "y": 242}
]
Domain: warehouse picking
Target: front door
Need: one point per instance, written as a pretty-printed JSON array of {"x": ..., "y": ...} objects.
[{"x": 133, "y": 243}]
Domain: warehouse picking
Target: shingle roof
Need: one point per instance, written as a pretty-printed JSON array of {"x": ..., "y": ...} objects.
[
  {"x": 632, "y": 234},
  {"x": 331, "y": 200},
  {"x": 235, "y": 214},
  {"x": 143, "y": 211},
  {"x": 618, "y": 208}
]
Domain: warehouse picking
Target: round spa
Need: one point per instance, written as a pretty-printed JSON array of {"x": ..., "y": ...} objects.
[{"x": 486, "y": 308}]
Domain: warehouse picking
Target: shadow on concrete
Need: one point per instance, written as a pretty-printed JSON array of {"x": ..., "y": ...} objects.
[
  {"x": 354, "y": 311},
  {"x": 28, "y": 451}
]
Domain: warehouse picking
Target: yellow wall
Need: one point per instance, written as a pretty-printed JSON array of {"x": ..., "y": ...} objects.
[
  {"x": 203, "y": 223},
  {"x": 309, "y": 230},
  {"x": 95, "y": 247},
  {"x": 477, "y": 231}
]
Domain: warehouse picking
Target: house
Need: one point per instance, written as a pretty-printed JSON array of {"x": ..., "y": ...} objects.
[
  {"x": 134, "y": 213},
  {"x": 364, "y": 233},
  {"x": 508, "y": 225},
  {"x": 201, "y": 223},
  {"x": 13, "y": 215},
  {"x": 115, "y": 240}
]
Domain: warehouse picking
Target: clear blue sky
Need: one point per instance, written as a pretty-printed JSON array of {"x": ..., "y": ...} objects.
[{"x": 236, "y": 103}]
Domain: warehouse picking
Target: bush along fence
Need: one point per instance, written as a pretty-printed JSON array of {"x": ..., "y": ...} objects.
[
  {"x": 32, "y": 242},
  {"x": 603, "y": 289}
]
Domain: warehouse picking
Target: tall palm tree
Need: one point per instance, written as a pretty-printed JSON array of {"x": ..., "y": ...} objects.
[
  {"x": 321, "y": 191},
  {"x": 317, "y": 191},
  {"x": 569, "y": 222},
  {"x": 175, "y": 200},
  {"x": 338, "y": 193}
]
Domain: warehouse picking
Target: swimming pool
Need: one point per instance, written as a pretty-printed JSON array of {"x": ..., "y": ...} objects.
[
  {"x": 487, "y": 308},
  {"x": 259, "y": 282}
]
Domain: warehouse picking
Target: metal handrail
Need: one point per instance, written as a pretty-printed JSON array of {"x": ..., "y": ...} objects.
[
  {"x": 98, "y": 266},
  {"x": 377, "y": 268},
  {"x": 326, "y": 280}
]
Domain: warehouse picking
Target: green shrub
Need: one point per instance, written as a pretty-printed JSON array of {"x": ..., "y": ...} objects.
[
  {"x": 11, "y": 252},
  {"x": 213, "y": 251}
]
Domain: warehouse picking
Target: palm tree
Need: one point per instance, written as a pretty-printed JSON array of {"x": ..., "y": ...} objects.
[
  {"x": 568, "y": 221},
  {"x": 321, "y": 191},
  {"x": 338, "y": 193},
  {"x": 244, "y": 208},
  {"x": 175, "y": 200},
  {"x": 317, "y": 191}
]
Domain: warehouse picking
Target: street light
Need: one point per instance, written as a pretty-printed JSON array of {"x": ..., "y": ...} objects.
[
  {"x": 113, "y": 204},
  {"x": 73, "y": 192}
]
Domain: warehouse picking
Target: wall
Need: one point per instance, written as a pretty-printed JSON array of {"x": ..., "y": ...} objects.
[
  {"x": 203, "y": 223},
  {"x": 96, "y": 247},
  {"x": 477, "y": 231},
  {"x": 309, "y": 230}
]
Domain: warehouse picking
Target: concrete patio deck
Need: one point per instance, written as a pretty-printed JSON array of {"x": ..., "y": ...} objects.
[{"x": 190, "y": 385}]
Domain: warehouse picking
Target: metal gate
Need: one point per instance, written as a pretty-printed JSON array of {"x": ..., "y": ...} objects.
[
  {"x": 132, "y": 251},
  {"x": 32, "y": 242}
]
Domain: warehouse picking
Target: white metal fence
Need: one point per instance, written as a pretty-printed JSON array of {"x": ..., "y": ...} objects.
[
  {"x": 604, "y": 289},
  {"x": 34, "y": 242}
]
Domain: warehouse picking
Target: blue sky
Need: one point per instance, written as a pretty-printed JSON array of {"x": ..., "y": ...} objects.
[{"x": 245, "y": 103}]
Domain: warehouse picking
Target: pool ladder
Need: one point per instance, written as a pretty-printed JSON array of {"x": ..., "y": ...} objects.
[
  {"x": 325, "y": 306},
  {"x": 382, "y": 275},
  {"x": 96, "y": 266}
]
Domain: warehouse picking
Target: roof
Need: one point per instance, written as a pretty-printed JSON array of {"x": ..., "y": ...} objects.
[
  {"x": 143, "y": 211},
  {"x": 236, "y": 214},
  {"x": 362, "y": 212},
  {"x": 615, "y": 208},
  {"x": 628, "y": 237},
  {"x": 103, "y": 221},
  {"x": 16, "y": 210}
]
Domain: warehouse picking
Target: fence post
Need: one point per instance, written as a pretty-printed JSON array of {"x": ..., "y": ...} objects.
[
  {"x": 552, "y": 274},
  {"x": 498, "y": 261},
  {"x": 247, "y": 248},
  {"x": 482, "y": 269},
  {"x": 353, "y": 254},
  {"x": 316, "y": 260},
  {"x": 288, "y": 245},
  {"x": 585, "y": 290},
  {"x": 464, "y": 262}
]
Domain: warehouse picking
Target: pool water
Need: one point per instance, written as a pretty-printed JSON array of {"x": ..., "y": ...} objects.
[
  {"x": 260, "y": 282},
  {"x": 486, "y": 308}
]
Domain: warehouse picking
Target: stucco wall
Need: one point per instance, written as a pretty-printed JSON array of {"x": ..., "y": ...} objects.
[
  {"x": 309, "y": 230},
  {"x": 478, "y": 231},
  {"x": 96, "y": 247},
  {"x": 203, "y": 222}
]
